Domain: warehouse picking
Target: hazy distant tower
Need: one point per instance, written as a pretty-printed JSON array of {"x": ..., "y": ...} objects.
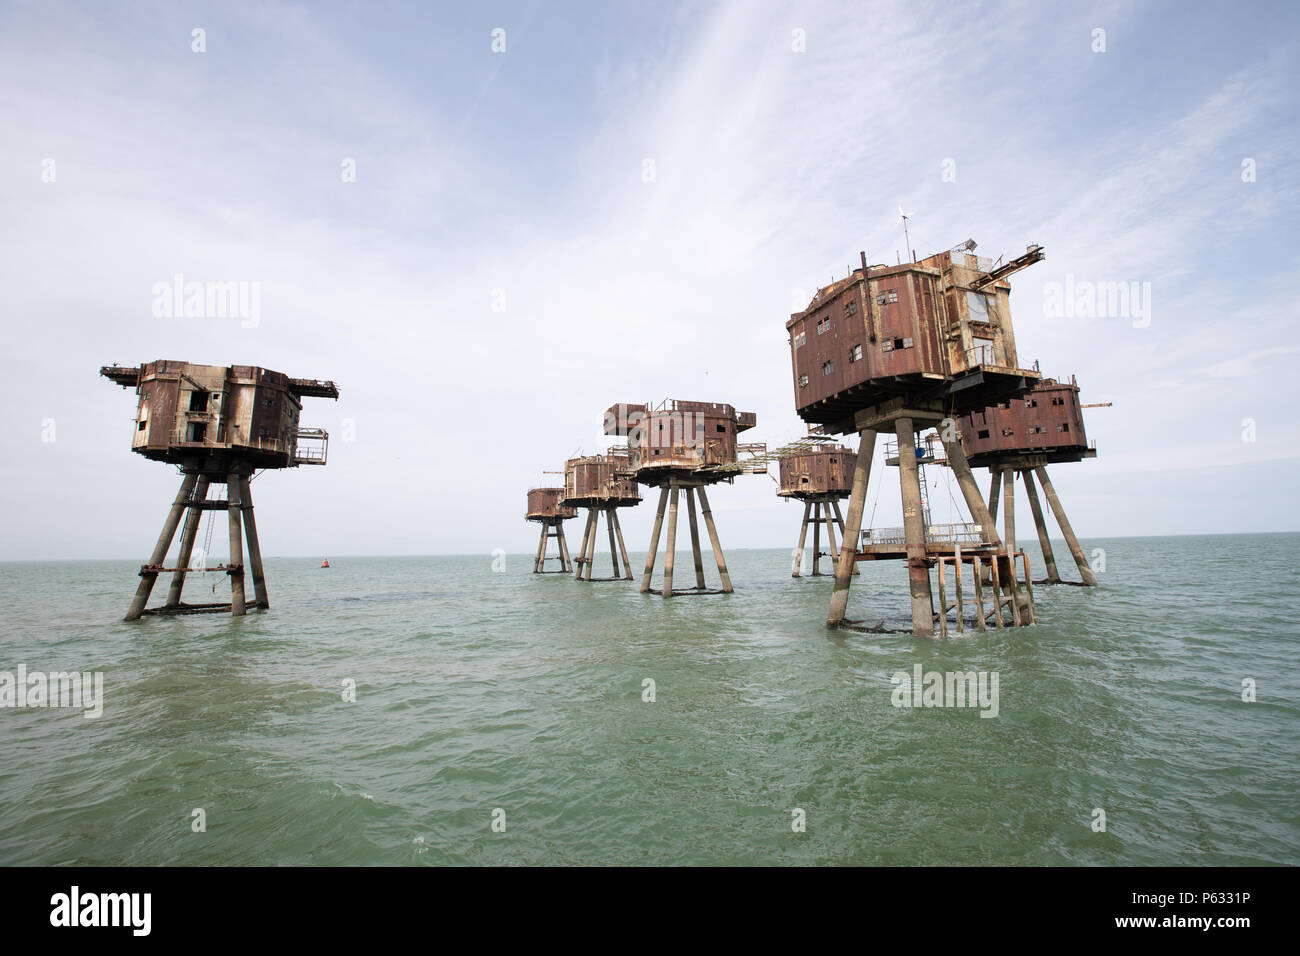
[
  {"x": 684, "y": 446},
  {"x": 546, "y": 506},
  {"x": 602, "y": 484},
  {"x": 820, "y": 478}
]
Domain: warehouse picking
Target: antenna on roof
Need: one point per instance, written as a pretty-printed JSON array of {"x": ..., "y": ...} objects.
[{"x": 903, "y": 217}]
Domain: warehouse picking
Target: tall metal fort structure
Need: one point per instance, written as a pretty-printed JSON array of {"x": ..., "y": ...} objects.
[
  {"x": 218, "y": 425},
  {"x": 907, "y": 347},
  {"x": 821, "y": 478},
  {"x": 546, "y": 506},
  {"x": 602, "y": 484},
  {"x": 684, "y": 446},
  {"x": 1022, "y": 436}
]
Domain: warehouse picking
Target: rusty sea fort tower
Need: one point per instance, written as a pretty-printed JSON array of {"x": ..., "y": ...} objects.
[
  {"x": 678, "y": 446},
  {"x": 546, "y": 506},
  {"x": 1022, "y": 437},
  {"x": 902, "y": 349},
  {"x": 821, "y": 478},
  {"x": 602, "y": 484},
  {"x": 219, "y": 425}
]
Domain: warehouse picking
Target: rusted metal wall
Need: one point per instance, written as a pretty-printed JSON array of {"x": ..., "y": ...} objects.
[
  {"x": 594, "y": 479},
  {"x": 241, "y": 411},
  {"x": 908, "y": 327},
  {"x": 679, "y": 435},
  {"x": 828, "y": 471},
  {"x": 1048, "y": 419},
  {"x": 979, "y": 330},
  {"x": 841, "y": 340},
  {"x": 547, "y": 503},
  {"x": 622, "y": 417}
]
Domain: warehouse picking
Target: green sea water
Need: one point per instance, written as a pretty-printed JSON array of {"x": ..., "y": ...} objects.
[{"x": 487, "y": 695}]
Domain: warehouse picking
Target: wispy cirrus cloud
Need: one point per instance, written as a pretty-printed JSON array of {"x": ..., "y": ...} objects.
[{"x": 518, "y": 180}]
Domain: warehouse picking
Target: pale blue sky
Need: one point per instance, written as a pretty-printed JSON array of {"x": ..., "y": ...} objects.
[{"x": 522, "y": 172}]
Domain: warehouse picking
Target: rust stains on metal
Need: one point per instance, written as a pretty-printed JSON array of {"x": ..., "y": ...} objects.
[
  {"x": 547, "y": 507},
  {"x": 938, "y": 329},
  {"x": 826, "y": 472},
  {"x": 548, "y": 503},
  {"x": 219, "y": 424},
  {"x": 676, "y": 439},
  {"x": 188, "y": 412},
  {"x": 600, "y": 481},
  {"x": 1045, "y": 424}
]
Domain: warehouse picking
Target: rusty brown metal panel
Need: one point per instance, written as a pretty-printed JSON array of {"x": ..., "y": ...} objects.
[
  {"x": 215, "y": 413},
  {"x": 547, "y": 503},
  {"x": 164, "y": 398},
  {"x": 1048, "y": 420},
  {"x": 827, "y": 471},
  {"x": 678, "y": 437},
  {"x": 622, "y": 417},
  {"x": 924, "y": 330},
  {"x": 595, "y": 480}
]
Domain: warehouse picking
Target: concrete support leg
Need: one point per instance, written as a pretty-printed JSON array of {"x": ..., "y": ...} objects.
[
  {"x": 159, "y": 555},
  {"x": 589, "y": 559},
  {"x": 713, "y": 539},
  {"x": 1009, "y": 518},
  {"x": 803, "y": 535},
  {"x": 852, "y": 529},
  {"x": 613, "y": 548},
  {"x": 918, "y": 570},
  {"x": 566, "y": 565},
  {"x": 695, "y": 539},
  {"x": 970, "y": 491},
  {"x": 234, "y": 496},
  {"x": 1076, "y": 551},
  {"x": 830, "y": 533},
  {"x": 817, "y": 539},
  {"x": 654, "y": 540},
  {"x": 188, "y": 533},
  {"x": 843, "y": 537},
  {"x": 995, "y": 489},
  {"x": 1044, "y": 542},
  {"x": 582, "y": 548},
  {"x": 622, "y": 548},
  {"x": 977, "y": 572},
  {"x": 671, "y": 547},
  {"x": 541, "y": 550},
  {"x": 254, "y": 548}
]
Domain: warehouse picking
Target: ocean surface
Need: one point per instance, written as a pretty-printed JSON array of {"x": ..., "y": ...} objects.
[{"x": 503, "y": 696}]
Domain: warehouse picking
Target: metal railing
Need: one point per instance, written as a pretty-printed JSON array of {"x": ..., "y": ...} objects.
[
  {"x": 937, "y": 534},
  {"x": 930, "y": 443},
  {"x": 316, "y": 449}
]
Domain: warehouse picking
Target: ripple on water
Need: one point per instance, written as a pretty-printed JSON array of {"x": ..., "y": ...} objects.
[{"x": 479, "y": 692}]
